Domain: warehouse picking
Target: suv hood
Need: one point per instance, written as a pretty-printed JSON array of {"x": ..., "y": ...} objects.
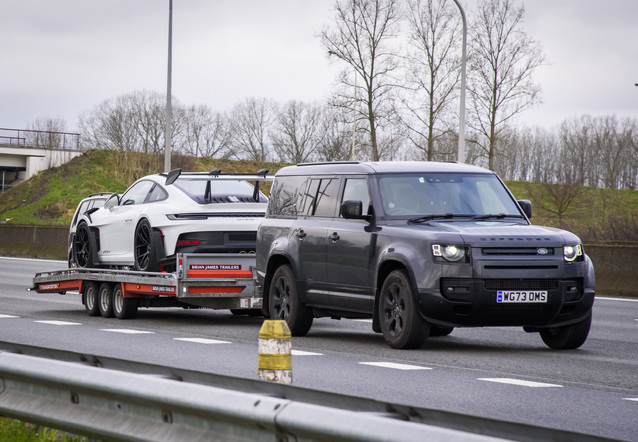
[{"x": 503, "y": 233}]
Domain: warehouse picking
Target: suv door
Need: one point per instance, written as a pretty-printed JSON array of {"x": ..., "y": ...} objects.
[
  {"x": 310, "y": 231},
  {"x": 350, "y": 246}
]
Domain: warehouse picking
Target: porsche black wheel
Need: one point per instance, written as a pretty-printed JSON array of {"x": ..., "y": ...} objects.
[
  {"x": 145, "y": 250},
  {"x": 83, "y": 247}
]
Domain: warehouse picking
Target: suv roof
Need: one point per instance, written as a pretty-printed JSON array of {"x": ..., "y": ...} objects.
[{"x": 362, "y": 167}]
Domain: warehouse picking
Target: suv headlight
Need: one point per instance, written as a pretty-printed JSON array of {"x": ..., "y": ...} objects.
[
  {"x": 573, "y": 252},
  {"x": 450, "y": 253}
]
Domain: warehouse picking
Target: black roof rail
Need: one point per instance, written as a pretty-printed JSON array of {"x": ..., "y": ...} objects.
[{"x": 321, "y": 163}]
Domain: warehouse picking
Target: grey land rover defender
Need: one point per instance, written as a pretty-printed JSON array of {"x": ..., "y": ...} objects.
[{"x": 421, "y": 248}]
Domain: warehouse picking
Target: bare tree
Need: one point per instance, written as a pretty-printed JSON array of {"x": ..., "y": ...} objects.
[
  {"x": 250, "y": 123},
  {"x": 296, "y": 135},
  {"x": 336, "y": 142},
  {"x": 557, "y": 198},
  {"x": 130, "y": 122},
  {"x": 361, "y": 37},
  {"x": 207, "y": 133},
  {"x": 433, "y": 72},
  {"x": 502, "y": 59},
  {"x": 47, "y": 132}
]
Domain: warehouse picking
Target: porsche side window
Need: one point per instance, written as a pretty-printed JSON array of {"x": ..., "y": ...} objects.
[
  {"x": 157, "y": 194},
  {"x": 137, "y": 193}
]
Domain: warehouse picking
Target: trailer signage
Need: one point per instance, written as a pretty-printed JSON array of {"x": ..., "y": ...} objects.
[{"x": 215, "y": 267}]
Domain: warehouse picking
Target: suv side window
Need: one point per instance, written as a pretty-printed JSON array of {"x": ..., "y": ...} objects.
[
  {"x": 356, "y": 189},
  {"x": 326, "y": 200},
  {"x": 286, "y": 195}
]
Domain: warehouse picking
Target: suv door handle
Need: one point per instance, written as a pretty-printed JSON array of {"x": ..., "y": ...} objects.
[
  {"x": 301, "y": 234},
  {"x": 334, "y": 237}
]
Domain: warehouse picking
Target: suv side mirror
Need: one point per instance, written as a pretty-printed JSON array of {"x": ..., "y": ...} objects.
[
  {"x": 526, "y": 205},
  {"x": 352, "y": 210}
]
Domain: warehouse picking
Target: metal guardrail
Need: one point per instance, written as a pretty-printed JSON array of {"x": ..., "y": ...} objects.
[{"x": 117, "y": 400}]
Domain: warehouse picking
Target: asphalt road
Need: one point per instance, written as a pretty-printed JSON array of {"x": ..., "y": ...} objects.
[{"x": 501, "y": 373}]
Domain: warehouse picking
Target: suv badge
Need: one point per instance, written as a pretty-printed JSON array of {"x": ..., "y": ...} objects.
[{"x": 542, "y": 251}]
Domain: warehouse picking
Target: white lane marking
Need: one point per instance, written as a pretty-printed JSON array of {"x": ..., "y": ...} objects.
[
  {"x": 395, "y": 366},
  {"x": 519, "y": 382},
  {"x": 635, "y": 399},
  {"x": 304, "y": 353},
  {"x": 126, "y": 331},
  {"x": 32, "y": 259},
  {"x": 616, "y": 299},
  {"x": 202, "y": 341},
  {"x": 8, "y": 316},
  {"x": 363, "y": 320},
  {"x": 58, "y": 323}
]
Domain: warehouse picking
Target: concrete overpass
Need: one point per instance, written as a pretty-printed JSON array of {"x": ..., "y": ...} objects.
[{"x": 19, "y": 162}]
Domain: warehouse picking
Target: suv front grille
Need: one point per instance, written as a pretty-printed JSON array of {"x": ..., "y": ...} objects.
[
  {"x": 521, "y": 284},
  {"x": 517, "y": 251}
]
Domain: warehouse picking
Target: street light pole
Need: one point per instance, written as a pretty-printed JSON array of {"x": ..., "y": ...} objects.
[
  {"x": 169, "y": 109},
  {"x": 461, "y": 150}
]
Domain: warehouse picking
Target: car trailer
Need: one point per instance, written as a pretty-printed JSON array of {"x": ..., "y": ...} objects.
[{"x": 209, "y": 280}]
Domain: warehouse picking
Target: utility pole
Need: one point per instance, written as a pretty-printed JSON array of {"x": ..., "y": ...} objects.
[
  {"x": 461, "y": 151},
  {"x": 169, "y": 92}
]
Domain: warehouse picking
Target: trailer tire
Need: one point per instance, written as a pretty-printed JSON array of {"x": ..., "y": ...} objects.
[
  {"x": 106, "y": 300},
  {"x": 123, "y": 308},
  {"x": 90, "y": 298}
]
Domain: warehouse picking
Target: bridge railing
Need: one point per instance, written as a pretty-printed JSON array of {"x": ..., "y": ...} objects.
[{"x": 39, "y": 138}]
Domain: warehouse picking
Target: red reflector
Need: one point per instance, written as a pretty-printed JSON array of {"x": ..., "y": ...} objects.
[{"x": 187, "y": 243}]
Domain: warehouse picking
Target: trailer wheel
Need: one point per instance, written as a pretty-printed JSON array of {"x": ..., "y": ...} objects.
[
  {"x": 106, "y": 300},
  {"x": 90, "y": 298},
  {"x": 123, "y": 308}
]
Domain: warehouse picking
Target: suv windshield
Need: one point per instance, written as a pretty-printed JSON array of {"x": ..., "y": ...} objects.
[
  {"x": 219, "y": 191},
  {"x": 425, "y": 196}
]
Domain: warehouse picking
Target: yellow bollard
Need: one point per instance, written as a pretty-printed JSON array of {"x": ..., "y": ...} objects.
[{"x": 275, "y": 345}]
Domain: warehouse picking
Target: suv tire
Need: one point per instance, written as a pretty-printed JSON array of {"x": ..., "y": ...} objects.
[
  {"x": 284, "y": 302},
  {"x": 567, "y": 337},
  {"x": 401, "y": 323}
]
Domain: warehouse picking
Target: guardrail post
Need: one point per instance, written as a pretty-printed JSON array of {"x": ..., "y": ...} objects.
[{"x": 275, "y": 364}]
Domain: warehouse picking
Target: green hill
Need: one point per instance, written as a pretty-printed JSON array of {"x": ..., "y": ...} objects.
[{"x": 50, "y": 198}]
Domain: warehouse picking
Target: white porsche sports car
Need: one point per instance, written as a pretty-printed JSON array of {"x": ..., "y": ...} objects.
[{"x": 165, "y": 214}]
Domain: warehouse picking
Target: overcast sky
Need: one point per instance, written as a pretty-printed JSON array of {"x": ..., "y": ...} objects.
[{"x": 62, "y": 58}]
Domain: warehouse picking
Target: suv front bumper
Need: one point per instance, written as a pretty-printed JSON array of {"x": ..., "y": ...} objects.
[{"x": 473, "y": 303}]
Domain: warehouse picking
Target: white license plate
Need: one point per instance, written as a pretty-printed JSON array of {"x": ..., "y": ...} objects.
[{"x": 521, "y": 296}]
